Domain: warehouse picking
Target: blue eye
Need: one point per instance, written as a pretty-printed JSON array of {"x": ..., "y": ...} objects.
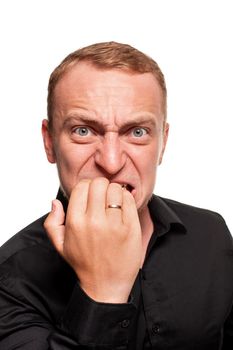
[
  {"x": 82, "y": 131},
  {"x": 139, "y": 132}
]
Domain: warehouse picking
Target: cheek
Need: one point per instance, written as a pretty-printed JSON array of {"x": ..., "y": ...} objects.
[
  {"x": 146, "y": 158},
  {"x": 68, "y": 158},
  {"x": 72, "y": 159}
]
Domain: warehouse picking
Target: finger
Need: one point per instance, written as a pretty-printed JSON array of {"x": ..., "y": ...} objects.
[
  {"x": 78, "y": 200},
  {"x": 97, "y": 196},
  {"x": 114, "y": 197},
  {"x": 54, "y": 225},
  {"x": 129, "y": 209}
]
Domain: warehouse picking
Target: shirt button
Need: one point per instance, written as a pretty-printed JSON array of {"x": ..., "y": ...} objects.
[
  {"x": 125, "y": 323},
  {"x": 155, "y": 329}
]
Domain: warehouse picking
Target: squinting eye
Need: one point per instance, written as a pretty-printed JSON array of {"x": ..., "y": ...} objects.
[
  {"x": 82, "y": 131},
  {"x": 139, "y": 132}
]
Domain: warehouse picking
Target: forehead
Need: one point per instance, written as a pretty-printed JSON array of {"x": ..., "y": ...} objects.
[{"x": 87, "y": 87}]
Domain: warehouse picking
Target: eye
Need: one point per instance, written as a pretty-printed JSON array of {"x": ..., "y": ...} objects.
[
  {"x": 139, "y": 132},
  {"x": 82, "y": 131}
]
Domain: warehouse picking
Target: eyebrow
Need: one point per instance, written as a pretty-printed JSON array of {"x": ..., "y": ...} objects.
[{"x": 143, "y": 118}]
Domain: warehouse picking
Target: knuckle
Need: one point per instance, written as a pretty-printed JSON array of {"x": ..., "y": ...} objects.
[
  {"x": 47, "y": 222},
  {"x": 94, "y": 224},
  {"x": 71, "y": 224},
  {"x": 74, "y": 223}
]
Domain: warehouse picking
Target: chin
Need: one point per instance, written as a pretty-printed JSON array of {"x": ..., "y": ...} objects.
[
  {"x": 140, "y": 205},
  {"x": 143, "y": 203}
]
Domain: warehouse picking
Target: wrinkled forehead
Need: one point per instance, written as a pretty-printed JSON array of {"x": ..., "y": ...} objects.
[{"x": 88, "y": 88}]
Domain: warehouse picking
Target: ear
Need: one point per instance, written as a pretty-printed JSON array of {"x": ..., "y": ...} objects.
[
  {"x": 48, "y": 142},
  {"x": 165, "y": 137}
]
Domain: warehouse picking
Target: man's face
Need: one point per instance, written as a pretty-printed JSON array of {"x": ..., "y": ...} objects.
[{"x": 107, "y": 123}]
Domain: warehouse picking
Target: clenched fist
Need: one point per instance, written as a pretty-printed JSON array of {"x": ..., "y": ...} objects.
[{"x": 103, "y": 245}]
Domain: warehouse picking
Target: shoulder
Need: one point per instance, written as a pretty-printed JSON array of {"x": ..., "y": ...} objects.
[
  {"x": 199, "y": 220},
  {"x": 30, "y": 256},
  {"x": 31, "y": 236},
  {"x": 184, "y": 210},
  {"x": 33, "y": 276}
]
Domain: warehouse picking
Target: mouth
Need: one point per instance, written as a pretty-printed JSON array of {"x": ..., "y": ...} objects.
[{"x": 127, "y": 187}]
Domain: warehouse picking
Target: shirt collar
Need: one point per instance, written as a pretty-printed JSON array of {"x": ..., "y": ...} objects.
[
  {"x": 164, "y": 218},
  {"x": 63, "y": 199}
]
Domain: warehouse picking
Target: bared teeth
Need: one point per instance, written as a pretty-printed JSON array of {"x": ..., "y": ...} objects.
[{"x": 124, "y": 186}]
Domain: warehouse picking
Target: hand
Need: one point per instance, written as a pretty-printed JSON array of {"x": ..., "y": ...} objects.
[{"x": 102, "y": 245}]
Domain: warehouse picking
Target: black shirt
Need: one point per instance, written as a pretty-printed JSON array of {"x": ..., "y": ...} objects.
[{"x": 181, "y": 299}]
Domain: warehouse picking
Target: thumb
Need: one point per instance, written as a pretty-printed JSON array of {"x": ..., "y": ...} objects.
[{"x": 54, "y": 225}]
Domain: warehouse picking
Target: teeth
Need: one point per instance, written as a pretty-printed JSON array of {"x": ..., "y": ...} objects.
[{"x": 124, "y": 186}]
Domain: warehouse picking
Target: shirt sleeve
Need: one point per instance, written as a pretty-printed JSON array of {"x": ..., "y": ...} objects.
[
  {"x": 85, "y": 324},
  {"x": 102, "y": 324}
]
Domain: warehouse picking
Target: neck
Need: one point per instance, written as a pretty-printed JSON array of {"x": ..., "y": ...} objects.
[
  {"x": 146, "y": 222},
  {"x": 147, "y": 228}
]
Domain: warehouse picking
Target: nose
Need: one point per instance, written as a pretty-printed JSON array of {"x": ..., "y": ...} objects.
[{"x": 110, "y": 156}]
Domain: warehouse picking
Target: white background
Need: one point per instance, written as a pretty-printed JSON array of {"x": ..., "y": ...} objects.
[{"x": 192, "y": 42}]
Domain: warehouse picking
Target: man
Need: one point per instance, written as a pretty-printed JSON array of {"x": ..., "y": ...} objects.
[{"x": 126, "y": 269}]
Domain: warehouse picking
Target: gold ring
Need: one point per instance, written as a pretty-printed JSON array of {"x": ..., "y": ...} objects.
[{"x": 114, "y": 206}]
